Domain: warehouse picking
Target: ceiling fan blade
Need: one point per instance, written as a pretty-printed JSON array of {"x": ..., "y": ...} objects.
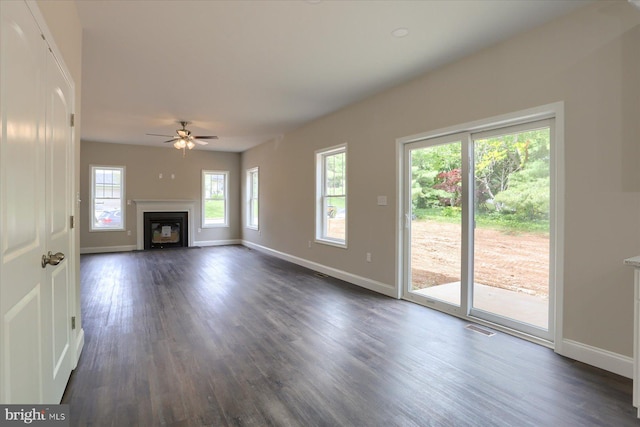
[
  {"x": 171, "y": 140},
  {"x": 157, "y": 134},
  {"x": 206, "y": 137},
  {"x": 200, "y": 142}
]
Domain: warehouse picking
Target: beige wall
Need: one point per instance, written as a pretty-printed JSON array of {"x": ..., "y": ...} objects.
[
  {"x": 63, "y": 22},
  {"x": 590, "y": 60},
  {"x": 143, "y": 168}
]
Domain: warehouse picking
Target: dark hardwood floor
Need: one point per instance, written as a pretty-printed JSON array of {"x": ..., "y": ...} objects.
[{"x": 229, "y": 336}]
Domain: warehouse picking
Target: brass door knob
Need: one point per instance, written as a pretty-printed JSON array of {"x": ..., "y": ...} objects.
[{"x": 52, "y": 259}]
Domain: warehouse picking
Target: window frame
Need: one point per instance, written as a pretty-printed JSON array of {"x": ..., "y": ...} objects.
[
  {"x": 203, "y": 199},
  {"x": 321, "y": 194},
  {"x": 253, "y": 196},
  {"x": 92, "y": 208}
]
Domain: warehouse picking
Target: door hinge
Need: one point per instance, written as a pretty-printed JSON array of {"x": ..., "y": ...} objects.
[
  {"x": 72, "y": 221},
  {"x": 73, "y": 322},
  {"x": 72, "y": 121}
]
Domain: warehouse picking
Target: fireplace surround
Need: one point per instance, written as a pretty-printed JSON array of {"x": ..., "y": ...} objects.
[{"x": 156, "y": 205}]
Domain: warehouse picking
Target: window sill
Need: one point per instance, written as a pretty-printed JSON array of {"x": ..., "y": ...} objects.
[
  {"x": 102, "y": 230},
  {"x": 334, "y": 243}
]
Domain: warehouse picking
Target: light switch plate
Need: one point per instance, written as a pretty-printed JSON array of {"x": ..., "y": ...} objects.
[{"x": 382, "y": 200}]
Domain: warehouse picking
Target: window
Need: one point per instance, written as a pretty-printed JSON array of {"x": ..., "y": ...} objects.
[
  {"x": 214, "y": 198},
  {"x": 107, "y": 198},
  {"x": 331, "y": 196},
  {"x": 252, "y": 198}
]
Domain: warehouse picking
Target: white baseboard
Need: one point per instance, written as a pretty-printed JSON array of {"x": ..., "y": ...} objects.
[
  {"x": 128, "y": 248},
  {"x": 594, "y": 356},
  {"x": 105, "y": 249},
  {"x": 218, "y": 242},
  {"x": 363, "y": 282}
]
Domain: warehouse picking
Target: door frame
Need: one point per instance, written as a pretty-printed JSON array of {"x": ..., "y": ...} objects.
[{"x": 553, "y": 110}]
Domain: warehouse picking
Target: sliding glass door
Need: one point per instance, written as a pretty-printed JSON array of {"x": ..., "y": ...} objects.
[
  {"x": 478, "y": 229},
  {"x": 434, "y": 220}
]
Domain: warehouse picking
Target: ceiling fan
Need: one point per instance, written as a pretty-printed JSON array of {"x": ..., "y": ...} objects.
[{"x": 183, "y": 138}]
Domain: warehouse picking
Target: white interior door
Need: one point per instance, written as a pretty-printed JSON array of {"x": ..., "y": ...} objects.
[
  {"x": 58, "y": 202},
  {"x": 35, "y": 203},
  {"x": 22, "y": 203}
]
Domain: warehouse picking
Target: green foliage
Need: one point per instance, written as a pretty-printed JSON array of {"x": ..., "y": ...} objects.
[
  {"x": 527, "y": 197},
  {"x": 511, "y": 174},
  {"x": 335, "y": 172},
  {"x": 499, "y": 159},
  {"x": 426, "y": 165}
]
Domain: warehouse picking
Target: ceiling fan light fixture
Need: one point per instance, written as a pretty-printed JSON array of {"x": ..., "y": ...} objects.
[{"x": 183, "y": 138}]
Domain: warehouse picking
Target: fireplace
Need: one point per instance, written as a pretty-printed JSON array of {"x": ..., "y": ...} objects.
[
  {"x": 164, "y": 206},
  {"x": 166, "y": 230}
]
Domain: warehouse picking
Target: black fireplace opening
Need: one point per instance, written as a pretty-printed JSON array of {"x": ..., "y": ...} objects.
[{"x": 166, "y": 230}]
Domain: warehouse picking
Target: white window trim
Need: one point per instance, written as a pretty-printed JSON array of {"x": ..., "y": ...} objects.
[
  {"x": 123, "y": 209},
  {"x": 320, "y": 216},
  {"x": 226, "y": 199},
  {"x": 250, "y": 197}
]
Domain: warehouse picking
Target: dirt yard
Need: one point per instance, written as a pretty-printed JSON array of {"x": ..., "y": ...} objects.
[{"x": 517, "y": 262}]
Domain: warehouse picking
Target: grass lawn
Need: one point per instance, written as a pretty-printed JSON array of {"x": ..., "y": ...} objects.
[
  {"x": 503, "y": 222},
  {"x": 214, "y": 209}
]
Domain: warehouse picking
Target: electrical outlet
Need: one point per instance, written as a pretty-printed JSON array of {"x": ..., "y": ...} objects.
[
  {"x": 309, "y": 243},
  {"x": 128, "y": 232},
  {"x": 368, "y": 256}
]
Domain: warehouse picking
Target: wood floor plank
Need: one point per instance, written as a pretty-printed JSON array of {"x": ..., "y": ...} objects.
[{"x": 227, "y": 336}]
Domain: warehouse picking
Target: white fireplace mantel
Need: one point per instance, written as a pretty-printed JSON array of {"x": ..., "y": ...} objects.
[{"x": 164, "y": 205}]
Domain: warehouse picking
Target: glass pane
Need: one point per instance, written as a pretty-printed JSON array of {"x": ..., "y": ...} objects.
[
  {"x": 436, "y": 222},
  {"x": 511, "y": 237},
  {"x": 254, "y": 213},
  {"x": 336, "y": 217},
  {"x": 335, "y": 175},
  {"x": 254, "y": 184},
  {"x": 107, "y": 213},
  {"x": 214, "y": 211}
]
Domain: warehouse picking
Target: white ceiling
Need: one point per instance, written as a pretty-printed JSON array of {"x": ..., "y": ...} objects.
[{"x": 249, "y": 71}]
